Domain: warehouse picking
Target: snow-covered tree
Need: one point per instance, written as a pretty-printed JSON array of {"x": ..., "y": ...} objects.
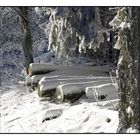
[
  {"x": 12, "y": 59},
  {"x": 74, "y": 31},
  {"x": 11, "y": 54},
  {"x": 127, "y": 21},
  {"x": 106, "y": 15}
]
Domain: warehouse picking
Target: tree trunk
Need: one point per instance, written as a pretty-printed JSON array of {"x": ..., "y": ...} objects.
[
  {"x": 27, "y": 38},
  {"x": 128, "y": 72},
  {"x": 138, "y": 70}
]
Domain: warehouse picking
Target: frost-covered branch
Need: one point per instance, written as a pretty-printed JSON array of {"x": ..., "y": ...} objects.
[{"x": 75, "y": 30}]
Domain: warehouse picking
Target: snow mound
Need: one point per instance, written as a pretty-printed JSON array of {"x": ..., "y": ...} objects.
[{"x": 23, "y": 112}]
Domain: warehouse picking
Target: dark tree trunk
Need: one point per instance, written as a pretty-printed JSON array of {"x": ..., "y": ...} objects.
[
  {"x": 128, "y": 72},
  {"x": 27, "y": 38},
  {"x": 138, "y": 69}
]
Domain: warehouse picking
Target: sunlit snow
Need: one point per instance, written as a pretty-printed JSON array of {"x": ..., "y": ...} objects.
[{"x": 24, "y": 112}]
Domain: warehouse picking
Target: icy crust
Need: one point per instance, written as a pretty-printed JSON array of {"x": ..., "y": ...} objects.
[{"x": 23, "y": 112}]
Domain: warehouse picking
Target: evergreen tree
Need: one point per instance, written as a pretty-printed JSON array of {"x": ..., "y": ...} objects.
[{"x": 75, "y": 31}]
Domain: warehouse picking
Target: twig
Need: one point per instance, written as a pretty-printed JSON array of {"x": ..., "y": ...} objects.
[
  {"x": 110, "y": 102},
  {"x": 96, "y": 96},
  {"x": 111, "y": 78},
  {"x": 21, "y": 126},
  {"x": 113, "y": 82}
]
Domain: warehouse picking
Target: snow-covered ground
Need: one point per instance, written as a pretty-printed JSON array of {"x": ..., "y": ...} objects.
[{"x": 24, "y": 112}]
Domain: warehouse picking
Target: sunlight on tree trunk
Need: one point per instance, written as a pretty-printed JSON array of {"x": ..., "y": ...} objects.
[{"x": 127, "y": 71}]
